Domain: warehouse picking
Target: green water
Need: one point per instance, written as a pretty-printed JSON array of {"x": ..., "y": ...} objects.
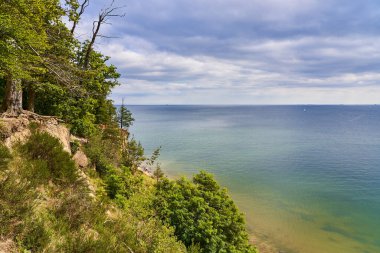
[{"x": 307, "y": 177}]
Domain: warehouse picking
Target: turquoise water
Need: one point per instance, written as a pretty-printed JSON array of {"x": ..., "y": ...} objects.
[{"x": 307, "y": 177}]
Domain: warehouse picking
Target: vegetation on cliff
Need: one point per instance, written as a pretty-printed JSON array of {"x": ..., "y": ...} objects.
[{"x": 48, "y": 203}]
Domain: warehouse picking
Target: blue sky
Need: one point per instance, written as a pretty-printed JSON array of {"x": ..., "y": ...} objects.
[{"x": 243, "y": 51}]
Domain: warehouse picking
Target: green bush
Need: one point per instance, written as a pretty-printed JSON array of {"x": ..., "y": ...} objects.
[
  {"x": 104, "y": 149},
  {"x": 133, "y": 155},
  {"x": 202, "y": 214},
  {"x": 121, "y": 184},
  {"x": 83, "y": 126},
  {"x": 48, "y": 158},
  {"x": 74, "y": 146}
]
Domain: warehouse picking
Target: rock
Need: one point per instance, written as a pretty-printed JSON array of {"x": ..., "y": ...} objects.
[
  {"x": 7, "y": 246},
  {"x": 16, "y": 129},
  {"x": 59, "y": 131},
  {"x": 81, "y": 159}
]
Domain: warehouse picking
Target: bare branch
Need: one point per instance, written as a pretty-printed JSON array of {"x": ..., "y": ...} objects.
[
  {"x": 82, "y": 8},
  {"x": 104, "y": 16}
]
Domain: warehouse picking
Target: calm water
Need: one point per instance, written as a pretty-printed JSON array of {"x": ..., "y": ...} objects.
[{"x": 307, "y": 177}]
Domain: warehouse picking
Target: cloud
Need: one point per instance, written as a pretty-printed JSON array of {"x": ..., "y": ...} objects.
[{"x": 245, "y": 51}]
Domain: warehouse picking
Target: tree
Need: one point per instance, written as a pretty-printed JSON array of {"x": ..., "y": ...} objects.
[
  {"x": 75, "y": 11},
  {"x": 124, "y": 116},
  {"x": 103, "y": 18},
  {"x": 154, "y": 156},
  {"x": 202, "y": 214},
  {"x": 133, "y": 155},
  {"x": 158, "y": 173},
  {"x": 21, "y": 45}
]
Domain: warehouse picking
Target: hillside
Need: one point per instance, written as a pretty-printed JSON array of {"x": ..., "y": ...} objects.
[{"x": 61, "y": 193}]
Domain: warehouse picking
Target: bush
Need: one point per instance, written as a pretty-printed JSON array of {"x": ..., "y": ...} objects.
[
  {"x": 133, "y": 155},
  {"x": 83, "y": 127},
  {"x": 48, "y": 158},
  {"x": 121, "y": 184},
  {"x": 202, "y": 214},
  {"x": 74, "y": 146},
  {"x": 104, "y": 149}
]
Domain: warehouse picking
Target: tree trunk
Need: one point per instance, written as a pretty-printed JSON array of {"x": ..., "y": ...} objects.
[
  {"x": 31, "y": 97},
  {"x": 12, "y": 103}
]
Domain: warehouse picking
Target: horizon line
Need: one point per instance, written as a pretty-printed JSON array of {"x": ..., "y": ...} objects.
[{"x": 250, "y": 104}]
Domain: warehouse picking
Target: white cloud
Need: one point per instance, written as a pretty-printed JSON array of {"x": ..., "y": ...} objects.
[{"x": 245, "y": 51}]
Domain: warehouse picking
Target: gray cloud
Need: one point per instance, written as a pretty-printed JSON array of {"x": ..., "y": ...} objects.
[{"x": 245, "y": 51}]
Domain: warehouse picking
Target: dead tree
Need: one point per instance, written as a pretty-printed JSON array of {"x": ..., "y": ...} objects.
[{"x": 104, "y": 16}]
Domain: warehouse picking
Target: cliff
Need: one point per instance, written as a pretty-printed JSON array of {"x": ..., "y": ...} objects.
[
  {"x": 60, "y": 193},
  {"x": 53, "y": 200}
]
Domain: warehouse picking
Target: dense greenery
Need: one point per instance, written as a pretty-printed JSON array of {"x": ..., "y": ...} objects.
[
  {"x": 202, "y": 213},
  {"x": 48, "y": 203},
  {"x": 47, "y": 159},
  {"x": 48, "y": 210},
  {"x": 56, "y": 73}
]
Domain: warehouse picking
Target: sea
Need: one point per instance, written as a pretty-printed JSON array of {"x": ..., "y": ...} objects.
[{"x": 307, "y": 177}]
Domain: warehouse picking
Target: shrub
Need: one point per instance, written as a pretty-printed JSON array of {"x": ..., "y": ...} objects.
[
  {"x": 121, "y": 184},
  {"x": 133, "y": 155},
  {"x": 83, "y": 126},
  {"x": 202, "y": 214},
  {"x": 46, "y": 155},
  {"x": 104, "y": 149},
  {"x": 74, "y": 146}
]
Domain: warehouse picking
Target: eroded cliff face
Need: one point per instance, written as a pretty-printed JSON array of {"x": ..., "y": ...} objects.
[{"x": 17, "y": 129}]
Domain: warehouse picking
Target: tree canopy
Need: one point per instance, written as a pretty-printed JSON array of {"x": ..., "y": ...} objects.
[
  {"x": 45, "y": 69},
  {"x": 202, "y": 214}
]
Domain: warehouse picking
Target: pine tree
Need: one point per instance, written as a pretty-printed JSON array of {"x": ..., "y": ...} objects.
[{"x": 125, "y": 118}]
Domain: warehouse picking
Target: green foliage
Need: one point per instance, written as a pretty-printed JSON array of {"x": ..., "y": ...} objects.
[
  {"x": 121, "y": 184},
  {"x": 5, "y": 156},
  {"x": 22, "y": 33},
  {"x": 74, "y": 146},
  {"x": 34, "y": 237},
  {"x": 104, "y": 149},
  {"x": 158, "y": 174},
  {"x": 47, "y": 158},
  {"x": 124, "y": 116},
  {"x": 154, "y": 157},
  {"x": 83, "y": 125},
  {"x": 37, "y": 47},
  {"x": 202, "y": 213},
  {"x": 133, "y": 155}
]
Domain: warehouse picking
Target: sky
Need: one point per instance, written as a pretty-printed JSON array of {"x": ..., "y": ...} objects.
[{"x": 242, "y": 51}]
